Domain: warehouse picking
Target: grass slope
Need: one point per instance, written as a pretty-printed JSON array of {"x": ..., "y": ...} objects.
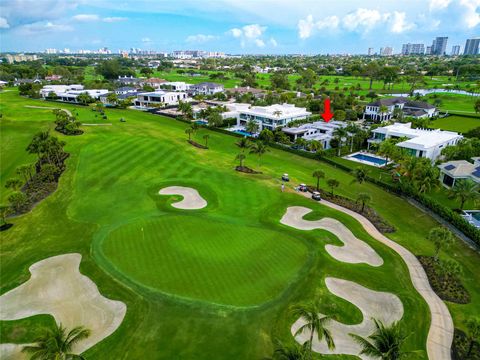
[{"x": 111, "y": 183}]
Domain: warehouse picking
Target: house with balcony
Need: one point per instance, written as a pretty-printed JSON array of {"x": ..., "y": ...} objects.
[
  {"x": 427, "y": 143},
  {"x": 159, "y": 98},
  {"x": 72, "y": 95},
  {"x": 320, "y": 131},
  {"x": 58, "y": 89},
  {"x": 175, "y": 86},
  {"x": 206, "y": 88},
  {"x": 453, "y": 171},
  {"x": 267, "y": 117},
  {"x": 417, "y": 109}
]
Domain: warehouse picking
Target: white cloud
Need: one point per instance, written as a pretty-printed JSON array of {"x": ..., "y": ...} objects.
[
  {"x": 273, "y": 42},
  {"x": 4, "y": 23},
  {"x": 200, "y": 38},
  {"x": 249, "y": 34},
  {"x": 146, "y": 40},
  {"x": 86, "y": 17},
  {"x": 114, "y": 19},
  {"x": 307, "y": 26},
  {"x": 439, "y": 4},
  {"x": 471, "y": 16},
  {"x": 41, "y": 27},
  {"x": 363, "y": 19},
  {"x": 399, "y": 23}
]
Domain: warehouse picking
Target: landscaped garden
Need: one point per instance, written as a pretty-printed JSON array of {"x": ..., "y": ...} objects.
[{"x": 217, "y": 282}]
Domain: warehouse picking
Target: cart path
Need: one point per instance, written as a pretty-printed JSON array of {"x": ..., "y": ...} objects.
[{"x": 440, "y": 335}]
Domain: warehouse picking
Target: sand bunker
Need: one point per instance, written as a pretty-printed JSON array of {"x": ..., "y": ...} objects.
[
  {"x": 56, "y": 287},
  {"x": 191, "y": 198},
  {"x": 383, "y": 306},
  {"x": 354, "y": 250}
]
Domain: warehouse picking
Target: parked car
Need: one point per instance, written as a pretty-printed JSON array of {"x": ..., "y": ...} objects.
[
  {"x": 316, "y": 196},
  {"x": 285, "y": 177},
  {"x": 302, "y": 187}
]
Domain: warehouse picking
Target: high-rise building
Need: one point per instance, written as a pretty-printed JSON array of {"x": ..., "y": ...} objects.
[
  {"x": 428, "y": 50},
  {"x": 413, "y": 49},
  {"x": 371, "y": 51},
  {"x": 472, "y": 46},
  {"x": 455, "y": 50},
  {"x": 386, "y": 51},
  {"x": 439, "y": 45}
]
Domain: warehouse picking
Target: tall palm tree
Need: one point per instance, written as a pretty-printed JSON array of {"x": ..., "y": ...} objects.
[
  {"x": 318, "y": 174},
  {"x": 240, "y": 157},
  {"x": 57, "y": 344},
  {"x": 441, "y": 238},
  {"x": 290, "y": 352},
  {"x": 243, "y": 143},
  {"x": 383, "y": 110},
  {"x": 189, "y": 132},
  {"x": 252, "y": 126},
  {"x": 364, "y": 198},
  {"x": 340, "y": 134},
  {"x": 259, "y": 148},
  {"x": 333, "y": 183},
  {"x": 315, "y": 324},
  {"x": 385, "y": 343},
  {"x": 206, "y": 137},
  {"x": 464, "y": 190},
  {"x": 359, "y": 175}
]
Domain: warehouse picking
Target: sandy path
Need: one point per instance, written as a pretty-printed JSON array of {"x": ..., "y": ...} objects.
[
  {"x": 373, "y": 304},
  {"x": 48, "y": 108},
  {"x": 191, "y": 198},
  {"x": 58, "y": 288},
  {"x": 354, "y": 250},
  {"x": 440, "y": 335}
]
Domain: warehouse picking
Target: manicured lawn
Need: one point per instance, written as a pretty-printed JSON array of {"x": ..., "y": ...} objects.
[
  {"x": 455, "y": 103},
  {"x": 456, "y": 123},
  {"x": 234, "y": 252}
]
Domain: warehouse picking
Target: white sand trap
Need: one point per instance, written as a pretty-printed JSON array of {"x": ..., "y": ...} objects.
[
  {"x": 191, "y": 198},
  {"x": 383, "y": 306},
  {"x": 58, "y": 288},
  {"x": 354, "y": 250},
  {"x": 12, "y": 352}
]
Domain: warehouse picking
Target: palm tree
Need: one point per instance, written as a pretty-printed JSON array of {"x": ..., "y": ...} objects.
[
  {"x": 259, "y": 148},
  {"x": 290, "y": 352},
  {"x": 57, "y": 344},
  {"x": 441, "y": 237},
  {"x": 333, "y": 183},
  {"x": 240, "y": 157},
  {"x": 314, "y": 145},
  {"x": 364, "y": 198},
  {"x": 301, "y": 142},
  {"x": 243, "y": 143},
  {"x": 449, "y": 269},
  {"x": 189, "y": 132},
  {"x": 340, "y": 134},
  {"x": 252, "y": 126},
  {"x": 277, "y": 113},
  {"x": 385, "y": 343},
  {"x": 206, "y": 137},
  {"x": 464, "y": 190},
  {"x": 360, "y": 175},
  {"x": 383, "y": 110},
  {"x": 318, "y": 174},
  {"x": 315, "y": 323},
  {"x": 473, "y": 326}
]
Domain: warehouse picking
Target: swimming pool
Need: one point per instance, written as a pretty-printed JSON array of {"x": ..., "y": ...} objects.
[
  {"x": 473, "y": 217},
  {"x": 241, "y": 132},
  {"x": 369, "y": 159}
]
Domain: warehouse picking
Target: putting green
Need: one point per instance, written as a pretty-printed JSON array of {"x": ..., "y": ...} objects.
[{"x": 205, "y": 259}]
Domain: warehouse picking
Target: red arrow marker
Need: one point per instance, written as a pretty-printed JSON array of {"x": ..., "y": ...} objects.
[{"x": 327, "y": 115}]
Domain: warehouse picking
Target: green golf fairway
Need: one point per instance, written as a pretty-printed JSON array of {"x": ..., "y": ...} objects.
[{"x": 204, "y": 259}]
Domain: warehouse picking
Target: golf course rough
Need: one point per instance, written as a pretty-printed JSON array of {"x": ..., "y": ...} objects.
[
  {"x": 192, "y": 200},
  {"x": 57, "y": 287},
  {"x": 382, "y": 306},
  {"x": 354, "y": 250}
]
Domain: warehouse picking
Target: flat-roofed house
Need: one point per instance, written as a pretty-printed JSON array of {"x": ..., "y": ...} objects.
[
  {"x": 320, "y": 131},
  {"x": 159, "y": 98},
  {"x": 416, "y": 109},
  {"x": 206, "y": 88},
  {"x": 427, "y": 143}
]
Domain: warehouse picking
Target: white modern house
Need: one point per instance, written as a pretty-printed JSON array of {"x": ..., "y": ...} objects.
[
  {"x": 452, "y": 171},
  {"x": 416, "y": 109},
  {"x": 175, "y": 86},
  {"x": 126, "y": 90},
  {"x": 72, "y": 95},
  {"x": 267, "y": 117},
  {"x": 206, "y": 88},
  {"x": 427, "y": 143},
  {"x": 159, "y": 98},
  {"x": 319, "y": 131},
  {"x": 58, "y": 89}
]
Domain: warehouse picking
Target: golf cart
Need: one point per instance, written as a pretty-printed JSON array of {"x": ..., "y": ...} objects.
[
  {"x": 302, "y": 188},
  {"x": 316, "y": 196},
  {"x": 285, "y": 177}
]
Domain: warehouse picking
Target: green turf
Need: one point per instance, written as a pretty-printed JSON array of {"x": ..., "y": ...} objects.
[
  {"x": 111, "y": 186},
  {"x": 456, "y": 123}
]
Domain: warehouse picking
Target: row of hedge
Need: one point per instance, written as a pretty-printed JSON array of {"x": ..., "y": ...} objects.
[{"x": 399, "y": 189}]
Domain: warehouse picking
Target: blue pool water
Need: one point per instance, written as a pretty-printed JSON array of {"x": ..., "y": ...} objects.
[
  {"x": 201, "y": 122},
  {"x": 475, "y": 214},
  {"x": 244, "y": 133},
  {"x": 370, "y": 159}
]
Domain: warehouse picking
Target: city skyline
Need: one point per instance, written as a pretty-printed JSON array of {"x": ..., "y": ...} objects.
[{"x": 236, "y": 27}]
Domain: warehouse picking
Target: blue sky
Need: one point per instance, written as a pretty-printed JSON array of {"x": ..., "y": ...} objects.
[{"x": 234, "y": 26}]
